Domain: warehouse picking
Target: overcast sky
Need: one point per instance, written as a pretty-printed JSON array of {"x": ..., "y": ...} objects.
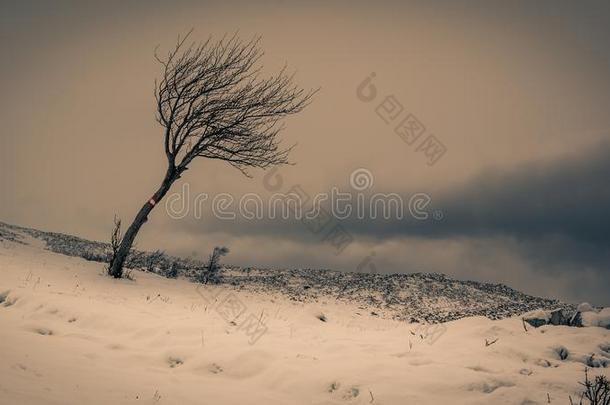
[{"x": 518, "y": 92}]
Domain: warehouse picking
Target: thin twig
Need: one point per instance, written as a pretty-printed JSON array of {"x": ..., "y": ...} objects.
[{"x": 488, "y": 343}]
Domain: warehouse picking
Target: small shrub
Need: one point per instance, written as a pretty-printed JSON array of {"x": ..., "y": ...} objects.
[
  {"x": 211, "y": 273},
  {"x": 115, "y": 242},
  {"x": 596, "y": 392},
  {"x": 154, "y": 260}
]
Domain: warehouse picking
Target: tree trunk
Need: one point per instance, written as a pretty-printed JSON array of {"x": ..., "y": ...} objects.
[{"x": 119, "y": 260}]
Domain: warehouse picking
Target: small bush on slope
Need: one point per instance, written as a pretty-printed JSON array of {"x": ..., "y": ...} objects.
[
  {"x": 210, "y": 274},
  {"x": 596, "y": 392},
  {"x": 115, "y": 242}
]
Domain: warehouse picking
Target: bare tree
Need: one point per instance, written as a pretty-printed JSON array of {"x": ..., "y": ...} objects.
[{"x": 213, "y": 103}]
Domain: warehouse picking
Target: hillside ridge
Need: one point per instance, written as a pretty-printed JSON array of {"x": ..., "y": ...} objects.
[{"x": 414, "y": 297}]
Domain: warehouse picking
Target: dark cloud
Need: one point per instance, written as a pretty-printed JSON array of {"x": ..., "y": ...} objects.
[
  {"x": 566, "y": 197},
  {"x": 548, "y": 219}
]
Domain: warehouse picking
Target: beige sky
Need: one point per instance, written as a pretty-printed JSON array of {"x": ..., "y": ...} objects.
[{"x": 501, "y": 85}]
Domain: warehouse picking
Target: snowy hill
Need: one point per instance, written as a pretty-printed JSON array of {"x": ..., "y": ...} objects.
[
  {"x": 425, "y": 297},
  {"x": 69, "y": 334}
]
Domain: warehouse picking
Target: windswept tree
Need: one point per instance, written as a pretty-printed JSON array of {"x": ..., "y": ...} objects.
[{"x": 213, "y": 102}]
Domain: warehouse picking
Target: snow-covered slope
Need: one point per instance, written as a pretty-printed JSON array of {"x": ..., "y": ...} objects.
[
  {"x": 71, "y": 335},
  {"x": 412, "y": 297}
]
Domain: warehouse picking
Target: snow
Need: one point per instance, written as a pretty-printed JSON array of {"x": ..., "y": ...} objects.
[
  {"x": 71, "y": 335},
  {"x": 601, "y": 318},
  {"x": 414, "y": 297},
  {"x": 584, "y": 307}
]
